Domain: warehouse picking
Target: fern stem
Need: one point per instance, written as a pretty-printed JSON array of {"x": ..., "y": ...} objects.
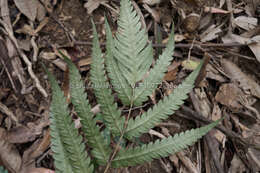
[{"x": 120, "y": 139}]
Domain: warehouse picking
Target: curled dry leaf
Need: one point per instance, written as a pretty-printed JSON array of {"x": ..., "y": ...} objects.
[
  {"x": 9, "y": 155},
  {"x": 245, "y": 82}
]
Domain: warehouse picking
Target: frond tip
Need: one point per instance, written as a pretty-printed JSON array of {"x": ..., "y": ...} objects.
[
  {"x": 162, "y": 110},
  {"x": 160, "y": 148},
  {"x": 64, "y": 136}
]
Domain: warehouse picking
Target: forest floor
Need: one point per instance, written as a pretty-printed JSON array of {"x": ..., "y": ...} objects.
[{"x": 224, "y": 32}]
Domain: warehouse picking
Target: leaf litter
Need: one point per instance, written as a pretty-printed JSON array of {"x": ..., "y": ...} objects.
[{"x": 229, "y": 86}]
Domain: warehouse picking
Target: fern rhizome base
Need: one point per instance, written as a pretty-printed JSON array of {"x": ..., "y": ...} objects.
[{"x": 127, "y": 61}]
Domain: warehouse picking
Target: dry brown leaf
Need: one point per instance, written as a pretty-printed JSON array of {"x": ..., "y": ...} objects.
[
  {"x": 153, "y": 12},
  {"x": 237, "y": 166},
  {"x": 23, "y": 134},
  {"x": 38, "y": 148},
  {"x": 41, "y": 12},
  {"x": 228, "y": 94},
  {"x": 9, "y": 155},
  {"x": 244, "y": 81},
  {"x": 172, "y": 71},
  {"x": 211, "y": 33},
  {"x": 246, "y": 23},
  {"x": 28, "y": 8}
]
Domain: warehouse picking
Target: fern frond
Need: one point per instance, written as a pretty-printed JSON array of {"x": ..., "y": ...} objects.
[
  {"x": 2, "y": 170},
  {"x": 118, "y": 81},
  {"x": 163, "y": 109},
  {"x": 160, "y": 148},
  {"x": 64, "y": 136},
  {"x": 79, "y": 99},
  {"x": 132, "y": 51},
  {"x": 112, "y": 115},
  {"x": 156, "y": 74}
]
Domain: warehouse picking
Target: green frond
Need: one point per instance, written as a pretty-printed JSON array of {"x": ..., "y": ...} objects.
[
  {"x": 156, "y": 74},
  {"x": 165, "y": 107},
  {"x": 64, "y": 136},
  {"x": 160, "y": 148},
  {"x": 111, "y": 113},
  {"x": 132, "y": 51},
  {"x": 118, "y": 81},
  {"x": 79, "y": 99},
  {"x": 2, "y": 170}
]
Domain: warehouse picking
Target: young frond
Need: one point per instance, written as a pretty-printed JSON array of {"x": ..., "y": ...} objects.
[
  {"x": 160, "y": 148},
  {"x": 79, "y": 99},
  {"x": 64, "y": 136},
  {"x": 111, "y": 113},
  {"x": 165, "y": 107}
]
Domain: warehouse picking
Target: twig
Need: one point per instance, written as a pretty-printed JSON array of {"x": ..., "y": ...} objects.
[
  {"x": 213, "y": 153},
  {"x": 25, "y": 59},
  {"x": 178, "y": 45},
  {"x": 120, "y": 139},
  {"x": 8, "y": 112},
  {"x": 192, "y": 115}
]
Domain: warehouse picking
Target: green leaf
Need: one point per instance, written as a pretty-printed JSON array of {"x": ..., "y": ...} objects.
[
  {"x": 118, "y": 81},
  {"x": 167, "y": 106},
  {"x": 111, "y": 113},
  {"x": 2, "y": 170},
  {"x": 160, "y": 148},
  {"x": 64, "y": 136},
  {"x": 156, "y": 74},
  {"x": 100, "y": 151}
]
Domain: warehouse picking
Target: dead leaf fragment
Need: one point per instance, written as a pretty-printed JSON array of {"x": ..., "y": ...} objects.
[
  {"x": 215, "y": 10},
  {"x": 255, "y": 47},
  {"x": 172, "y": 71},
  {"x": 211, "y": 33},
  {"x": 246, "y": 23},
  {"x": 9, "y": 155},
  {"x": 237, "y": 166},
  {"x": 91, "y": 5},
  {"x": 228, "y": 95},
  {"x": 28, "y": 8},
  {"x": 245, "y": 82}
]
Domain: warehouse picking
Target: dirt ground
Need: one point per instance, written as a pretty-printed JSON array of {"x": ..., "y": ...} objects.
[{"x": 226, "y": 33}]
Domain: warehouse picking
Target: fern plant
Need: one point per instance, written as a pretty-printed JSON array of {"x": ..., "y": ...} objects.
[{"x": 127, "y": 60}]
